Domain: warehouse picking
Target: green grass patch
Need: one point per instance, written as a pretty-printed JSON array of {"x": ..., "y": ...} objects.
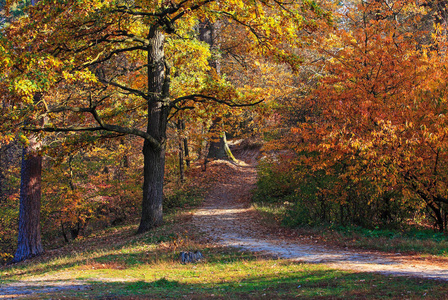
[{"x": 413, "y": 241}]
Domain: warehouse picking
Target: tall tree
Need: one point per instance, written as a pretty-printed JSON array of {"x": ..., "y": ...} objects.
[
  {"x": 29, "y": 238},
  {"x": 100, "y": 61},
  {"x": 380, "y": 112}
]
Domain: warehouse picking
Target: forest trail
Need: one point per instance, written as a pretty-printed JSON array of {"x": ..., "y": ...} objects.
[{"x": 228, "y": 219}]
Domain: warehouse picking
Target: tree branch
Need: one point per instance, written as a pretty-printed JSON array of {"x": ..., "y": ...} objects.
[
  {"x": 203, "y": 98},
  {"x": 102, "y": 126},
  {"x": 106, "y": 127},
  {"x": 97, "y": 59},
  {"x": 128, "y": 89}
]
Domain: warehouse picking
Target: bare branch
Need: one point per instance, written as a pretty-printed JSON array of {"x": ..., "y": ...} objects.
[
  {"x": 97, "y": 60},
  {"x": 68, "y": 108},
  {"x": 125, "y": 88},
  {"x": 106, "y": 127},
  {"x": 204, "y": 98}
]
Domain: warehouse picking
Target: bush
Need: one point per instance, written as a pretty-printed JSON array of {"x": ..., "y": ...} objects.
[
  {"x": 325, "y": 197},
  {"x": 8, "y": 227}
]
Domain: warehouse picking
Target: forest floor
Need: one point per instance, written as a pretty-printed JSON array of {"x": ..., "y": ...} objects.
[
  {"x": 274, "y": 262},
  {"x": 228, "y": 218}
]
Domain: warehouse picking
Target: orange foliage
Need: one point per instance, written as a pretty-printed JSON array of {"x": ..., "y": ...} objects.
[{"x": 380, "y": 110}]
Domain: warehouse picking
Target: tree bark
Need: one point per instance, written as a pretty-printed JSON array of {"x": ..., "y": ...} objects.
[
  {"x": 207, "y": 33},
  {"x": 2, "y": 176},
  {"x": 29, "y": 239},
  {"x": 154, "y": 157},
  {"x": 220, "y": 149},
  {"x": 181, "y": 151},
  {"x": 186, "y": 155},
  {"x": 187, "y": 152}
]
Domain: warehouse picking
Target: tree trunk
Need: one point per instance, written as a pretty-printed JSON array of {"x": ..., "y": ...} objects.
[
  {"x": 438, "y": 218},
  {"x": 187, "y": 152},
  {"x": 217, "y": 149},
  {"x": 185, "y": 142},
  {"x": 154, "y": 157},
  {"x": 220, "y": 149},
  {"x": 2, "y": 177},
  {"x": 207, "y": 33},
  {"x": 29, "y": 240},
  {"x": 181, "y": 151}
]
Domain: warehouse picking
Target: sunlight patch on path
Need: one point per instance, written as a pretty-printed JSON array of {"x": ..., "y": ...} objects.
[{"x": 23, "y": 288}]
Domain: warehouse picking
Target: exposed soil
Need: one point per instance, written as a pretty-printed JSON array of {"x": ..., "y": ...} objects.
[{"x": 227, "y": 218}]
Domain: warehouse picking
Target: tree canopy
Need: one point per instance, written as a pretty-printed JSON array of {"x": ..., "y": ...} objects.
[{"x": 112, "y": 68}]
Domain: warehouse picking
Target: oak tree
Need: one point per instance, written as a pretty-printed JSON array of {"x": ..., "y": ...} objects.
[{"x": 127, "y": 67}]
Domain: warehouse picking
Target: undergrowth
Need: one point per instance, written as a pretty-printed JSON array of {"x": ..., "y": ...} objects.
[{"x": 409, "y": 240}]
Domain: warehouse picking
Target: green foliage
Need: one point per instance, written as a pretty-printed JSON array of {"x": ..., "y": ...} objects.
[
  {"x": 274, "y": 183},
  {"x": 412, "y": 233},
  {"x": 411, "y": 239}
]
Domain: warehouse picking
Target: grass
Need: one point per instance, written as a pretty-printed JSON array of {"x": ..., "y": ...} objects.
[
  {"x": 117, "y": 264},
  {"x": 415, "y": 241}
]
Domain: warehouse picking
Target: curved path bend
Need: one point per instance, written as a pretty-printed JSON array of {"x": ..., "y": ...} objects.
[{"x": 228, "y": 219}]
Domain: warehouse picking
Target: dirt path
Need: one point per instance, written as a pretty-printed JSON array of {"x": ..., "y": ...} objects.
[
  {"x": 227, "y": 218},
  {"x": 30, "y": 287}
]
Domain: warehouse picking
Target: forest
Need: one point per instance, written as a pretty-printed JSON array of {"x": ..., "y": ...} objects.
[{"x": 110, "y": 111}]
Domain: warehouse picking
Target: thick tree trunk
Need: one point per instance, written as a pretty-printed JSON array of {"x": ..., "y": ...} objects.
[
  {"x": 29, "y": 240},
  {"x": 154, "y": 165},
  {"x": 220, "y": 149},
  {"x": 154, "y": 157}
]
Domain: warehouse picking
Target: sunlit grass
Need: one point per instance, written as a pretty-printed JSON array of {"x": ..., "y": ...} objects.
[
  {"x": 119, "y": 264},
  {"x": 116, "y": 263}
]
